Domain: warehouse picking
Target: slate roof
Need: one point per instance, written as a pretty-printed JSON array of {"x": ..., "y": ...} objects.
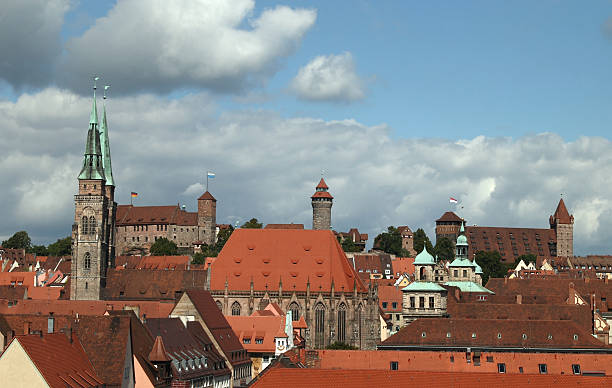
[{"x": 265, "y": 256}]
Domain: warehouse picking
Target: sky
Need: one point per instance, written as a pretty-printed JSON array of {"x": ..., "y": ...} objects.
[{"x": 505, "y": 106}]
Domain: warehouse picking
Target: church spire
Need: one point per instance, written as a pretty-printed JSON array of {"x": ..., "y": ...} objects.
[
  {"x": 105, "y": 145},
  {"x": 92, "y": 163}
]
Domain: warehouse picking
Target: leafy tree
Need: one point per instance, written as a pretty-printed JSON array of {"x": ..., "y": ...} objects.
[
  {"x": 391, "y": 242},
  {"x": 198, "y": 258},
  {"x": 19, "y": 240},
  {"x": 444, "y": 249},
  {"x": 213, "y": 250},
  {"x": 419, "y": 239},
  {"x": 252, "y": 224},
  {"x": 340, "y": 346},
  {"x": 39, "y": 250},
  {"x": 223, "y": 236},
  {"x": 62, "y": 247},
  {"x": 164, "y": 247},
  {"x": 527, "y": 258},
  {"x": 348, "y": 245},
  {"x": 491, "y": 264}
]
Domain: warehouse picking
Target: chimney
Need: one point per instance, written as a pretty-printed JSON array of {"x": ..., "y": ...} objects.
[
  {"x": 26, "y": 328},
  {"x": 50, "y": 324},
  {"x": 519, "y": 299}
]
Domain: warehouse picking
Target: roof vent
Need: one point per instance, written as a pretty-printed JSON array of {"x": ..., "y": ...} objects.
[
  {"x": 266, "y": 260},
  {"x": 295, "y": 261},
  {"x": 320, "y": 274},
  {"x": 237, "y": 274},
  {"x": 237, "y": 260},
  {"x": 265, "y": 273},
  {"x": 307, "y": 248},
  {"x": 320, "y": 261},
  {"x": 250, "y": 247},
  {"x": 293, "y": 274}
]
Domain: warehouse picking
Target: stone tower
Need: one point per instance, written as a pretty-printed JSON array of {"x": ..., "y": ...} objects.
[
  {"x": 207, "y": 218},
  {"x": 322, "y": 202},
  {"x": 563, "y": 224},
  {"x": 90, "y": 246},
  {"x": 109, "y": 186}
]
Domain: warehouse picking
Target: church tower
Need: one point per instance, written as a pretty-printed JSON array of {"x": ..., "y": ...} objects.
[
  {"x": 207, "y": 218},
  {"x": 563, "y": 224},
  {"x": 90, "y": 246},
  {"x": 109, "y": 186},
  {"x": 322, "y": 202}
]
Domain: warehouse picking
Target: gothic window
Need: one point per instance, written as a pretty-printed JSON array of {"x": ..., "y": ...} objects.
[
  {"x": 84, "y": 225},
  {"x": 92, "y": 225},
  {"x": 342, "y": 323},
  {"x": 236, "y": 308},
  {"x": 219, "y": 305},
  {"x": 295, "y": 311},
  {"x": 87, "y": 261},
  {"x": 319, "y": 325}
]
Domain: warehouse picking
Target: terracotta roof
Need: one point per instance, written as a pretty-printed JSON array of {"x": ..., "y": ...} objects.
[
  {"x": 13, "y": 292},
  {"x": 354, "y": 235},
  {"x": 199, "y": 334},
  {"x": 561, "y": 213},
  {"x": 158, "y": 353},
  {"x": 207, "y": 196},
  {"x": 405, "y": 230},
  {"x": 300, "y": 324},
  {"x": 389, "y": 295},
  {"x": 322, "y": 184},
  {"x": 251, "y": 330},
  {"x": 322, "y": 194},
  {"x": 449, "y": 217},
  {"x": 402, "y": 265},
  {"x": 153, "y": 262},
  {"x": 147, "y": 215},
  {"x": 493, "y": 333},
  {"x": 61, "y": 362},
  {"x": 511, "y": 242},
  {"x": 265, "y": 256},
  {"x": 307, "y": 378},
  {"x": 147, "y": 284},
  {"x": 284, "y": 226}
]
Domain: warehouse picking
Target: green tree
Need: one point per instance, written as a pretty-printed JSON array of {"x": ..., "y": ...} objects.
[
  {"x": 62, "y": 247},
  {"x": 164, "y": 247},
  {"x": 222, "y": 237},
  {"x": 527, "y": 258},
  {"x": 391, "y": 242},
  {"x": 198, "y": 258},
  {"x": 444, "y": 249},
  {"x": 491, "y": 264},
  {"x": 348, "y": 245},
  {"x": 419, "y": 239},
  {"x": 19, "y": 240},
  {"x": 340, "y": 346},
  {"x": 39, "y": 250},
  {"x": 252, "y": 224}
]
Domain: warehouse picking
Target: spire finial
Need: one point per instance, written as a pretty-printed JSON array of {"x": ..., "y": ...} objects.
[
  {"x": 106, "y": 87},
  {"x": 93, "y": 119}
]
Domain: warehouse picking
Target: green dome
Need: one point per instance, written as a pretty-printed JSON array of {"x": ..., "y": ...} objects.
[
  {"x": 478, "y": 269},
  {"x": 462, "y": 240},
  {"x": 424, "y": 258}
]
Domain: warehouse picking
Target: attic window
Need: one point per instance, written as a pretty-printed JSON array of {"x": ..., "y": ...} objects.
[
  {"x": 448, "y": 334},
  {"x": 575, "y": 337},
  {"x": 550, "y": 337},
  {"x": 524, "y": 336},
  {"x": 295, "y": 261},
  {"x": 473, "y": 335},
  {"x": 293, "y": 274},
  {"x": 250, "y": 247},
  {"x": 307, "y": 248},
  {"x": 498, "y": 335},
  {"x": 265, "y": 273},
  {"x": 237, "y": 260},
  {"x": 320, "y": 274},
  {"x": 259, "y": 341},
  {"x": 320, "y": 261},
  {"x": 266, "y": 260},
  {"x": 423, "y": 334}
]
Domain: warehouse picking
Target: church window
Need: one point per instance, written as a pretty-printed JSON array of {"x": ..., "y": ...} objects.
[
  {"x": 87, "y": 261},
  {"x": 295, "y": 311},
  {"x": 85, "y": 225},
  {"x": 342, "y": 323},
  {"x": 85, "y": 285},
  {"x": 219, "y": 305},
  {"x": 92, "y": 225},
  {"x": 236, "y": 308},
  {"x": 319, "y": 325}
]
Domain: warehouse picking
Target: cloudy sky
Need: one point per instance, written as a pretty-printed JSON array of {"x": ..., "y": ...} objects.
[{"x": 502, "y": 105}]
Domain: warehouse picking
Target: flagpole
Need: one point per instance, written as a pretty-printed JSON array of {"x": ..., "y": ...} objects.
[{"x": 206, "y": 180}]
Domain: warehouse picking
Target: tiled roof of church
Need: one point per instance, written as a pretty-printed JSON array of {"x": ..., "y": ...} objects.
[
  {"x": 449, "y": 217},
  {"x": 561, "y": 213},
  {"x": 297, "y": 257}
]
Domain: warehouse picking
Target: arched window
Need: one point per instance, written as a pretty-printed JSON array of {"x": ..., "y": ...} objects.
[
  {"x": 87, "y": 261},
  {"x": 92, "y": 225},
  {"x": 295, "y": 311},
  {"x": 342, "y": 322},
  {"x": 236, "y": 308},
  {"x": 84, "y": 225},
  {"x": 220, "y": 305},
  {"x": 319, "y": 325}
]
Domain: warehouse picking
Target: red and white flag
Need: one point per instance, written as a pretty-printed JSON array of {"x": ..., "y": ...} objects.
[{"x": 453, "y": 200}]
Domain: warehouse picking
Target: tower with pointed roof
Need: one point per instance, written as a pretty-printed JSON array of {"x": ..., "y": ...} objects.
[
  {"x": 322, "y": 202},
  {"x": 109, "y": 187},
  {"x": 563, "y": 225},
  {"x": 90, "y": 234},
  {"x": 207, "y": 218}
]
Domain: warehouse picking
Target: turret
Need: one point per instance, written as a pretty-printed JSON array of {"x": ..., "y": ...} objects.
[
  {"x": 207, "y": 218},
  {"x": 322, "y": 202},
  {"x": 563, "y": 224}
]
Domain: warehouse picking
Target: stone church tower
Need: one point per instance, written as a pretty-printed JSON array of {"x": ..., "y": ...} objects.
[
  {"x": 563, "y": 224},
  {"x": 322, "y": 202},
  {"x": 94, "y": 215},
  {"x": 207, "y": 218}
]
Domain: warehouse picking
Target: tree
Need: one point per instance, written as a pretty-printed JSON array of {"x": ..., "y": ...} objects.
[
  {"x": 164, "y": 247},
  {"x": 491, "y": 265},
  {"x": 62, "y": 247},
  {"x": 527, "y": 258},
  {"x": 39, "y": 250},
  {"x": 340, "y": 346},
  {"x": 198, "y": 258},
  {"x": 444, "y": 249},
  {"x": 348, "y": 245},
  {"x": 19, "y": 240},
  {"x": 391, "y": 242},
  {"x": 419, "y": 239},
  {"x": 252, "y": 224},
  {"x": 223, "y": 236}
]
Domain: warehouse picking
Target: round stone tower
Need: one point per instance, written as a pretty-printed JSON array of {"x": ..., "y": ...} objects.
[{"x": 322, "y": 202}]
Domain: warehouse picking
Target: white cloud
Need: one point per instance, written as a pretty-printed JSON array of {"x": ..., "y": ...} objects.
[
  {"x": 329, "y": 78},
  {"x": 162, "y": 45},
  {"x": 267, "y": 166}
]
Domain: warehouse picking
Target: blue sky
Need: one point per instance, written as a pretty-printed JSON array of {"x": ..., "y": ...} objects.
[{"x": 503, "y": 105}]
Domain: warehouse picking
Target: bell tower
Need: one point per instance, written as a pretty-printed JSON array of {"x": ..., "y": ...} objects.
[{"x": 90, "y": 248}]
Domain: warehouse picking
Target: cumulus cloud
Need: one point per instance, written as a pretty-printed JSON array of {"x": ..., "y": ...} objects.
[
  {"x": 267, "y": 167},
  {"x": 163, "y": 45},
  {"x": 30, "y": 40},
  {"x": 329, "y": 78}
]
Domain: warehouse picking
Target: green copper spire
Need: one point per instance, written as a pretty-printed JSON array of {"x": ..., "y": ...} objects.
[
  {"x": 106, "y": 156},
  {"x": 92, "y": 163}
]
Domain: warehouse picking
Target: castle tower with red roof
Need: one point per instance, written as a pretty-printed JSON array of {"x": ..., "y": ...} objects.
[
  {"x": 322, "y": 202},
  {"x": 207, "y": 218},
  {"x": 563, "y": 225}
]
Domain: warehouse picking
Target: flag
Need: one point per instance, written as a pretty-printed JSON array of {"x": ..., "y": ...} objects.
[
  {"x": 134, "y": 195},
  {"x": 210, "y": 174},
  {"x": 453, "y": 200}
]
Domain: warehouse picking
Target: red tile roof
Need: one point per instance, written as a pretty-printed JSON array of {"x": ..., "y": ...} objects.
[
  {"x": 322, "y": 184},
  {"x": 207, "y": 196},
  {"x": 149, "y": 284},
  {"x": 308, "y": 378},
  {"x": 153, "y": 262},
  {"x": 61, "y": 362},
  {"x": 561, "y": 213},
  {"x": 449, "y": 217},
  {"x": 284, "y": 226},
  {"x": 322, "y": 194},
  {"x": 251, "y": 329},
  {"x": 402, "y": 265},
  {"x": 265, "y": 256},
  {"x": 158, "y": 353},
  {"x": 389, "y": 295},
  {"x": 511, "y": 242},
  {"x": 147, "y": 215}
]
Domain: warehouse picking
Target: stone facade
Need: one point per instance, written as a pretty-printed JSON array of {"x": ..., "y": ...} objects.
[
  {"x": 322, "y": 202},
  {"x": 207, "y": 218}
]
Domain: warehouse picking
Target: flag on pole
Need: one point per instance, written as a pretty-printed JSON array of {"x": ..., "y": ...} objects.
[
  {"x": 210, "y": 175},
  {"x": 134, "y": 195},
  {"x": 453, "y": 200}
]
